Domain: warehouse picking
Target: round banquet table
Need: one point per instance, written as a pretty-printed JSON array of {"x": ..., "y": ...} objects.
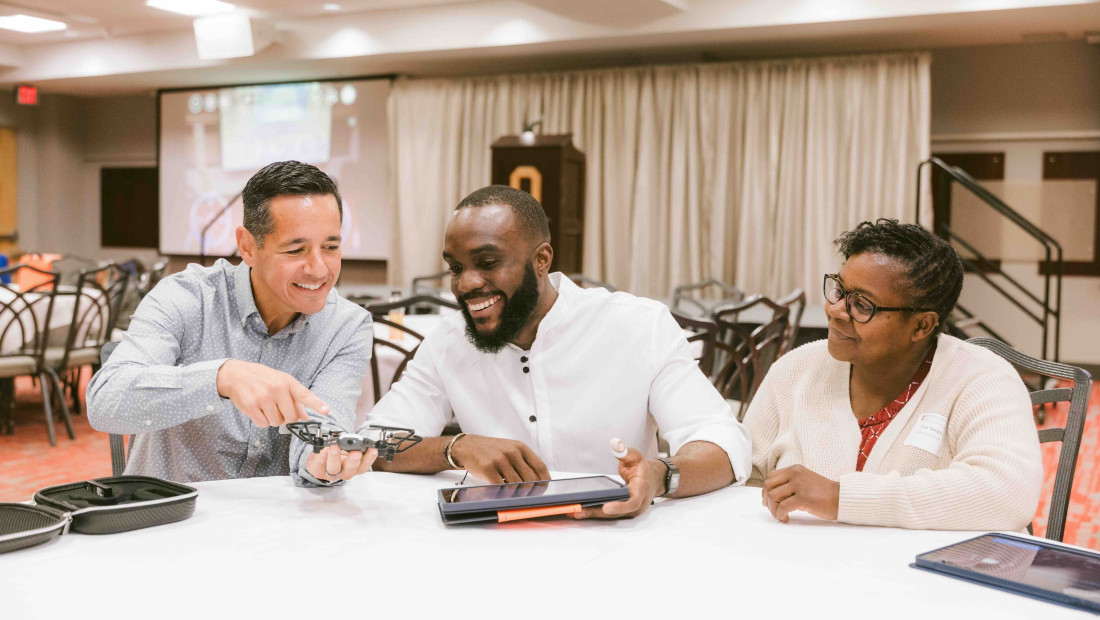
[{"x": 376, "y": 548}]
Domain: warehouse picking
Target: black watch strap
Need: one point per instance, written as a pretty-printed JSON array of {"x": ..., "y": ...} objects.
[{"x": 672, "y": 476}]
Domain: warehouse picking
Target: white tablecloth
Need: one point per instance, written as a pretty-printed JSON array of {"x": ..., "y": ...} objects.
[{"x": 261, "y": 548}]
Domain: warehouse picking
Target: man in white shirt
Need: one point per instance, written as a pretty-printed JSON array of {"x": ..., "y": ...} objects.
[{"x": 541, "y": 374}]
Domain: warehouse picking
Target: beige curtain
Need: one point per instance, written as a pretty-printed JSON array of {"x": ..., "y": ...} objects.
[{"x": 742, "y": 171}]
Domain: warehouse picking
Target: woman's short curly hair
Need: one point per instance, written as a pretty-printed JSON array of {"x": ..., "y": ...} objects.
[{"x": 932, "y": 268}]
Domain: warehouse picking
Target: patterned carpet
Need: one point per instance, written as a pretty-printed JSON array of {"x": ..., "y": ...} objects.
[
  {"x": 1083, "y": 520},
  {"x": 28, "y": 463}
]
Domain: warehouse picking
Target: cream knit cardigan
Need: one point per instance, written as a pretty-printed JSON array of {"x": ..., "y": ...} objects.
[{"x": 988, "y": 474}]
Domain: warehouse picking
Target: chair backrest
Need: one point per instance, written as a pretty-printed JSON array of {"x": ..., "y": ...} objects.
[
  {"x": 118, "y": 443},
  {"x": 744, "y": 352},
  {"x": 154, "y": 275},
  {"x": 68, "y": 267},
  {"x": 584, "y": 281},
  {"x": 704, "y": 332},
  {"x": 1070, "y": 436},
  {"x": 25, "y": 313},
  {"x": 411, "y": 339},
  {"x": 795, "y": 302},
  {"x": 686, "y": 301},
  {"x": 97, "y": 302},
  {"x": 426, "y": 285}
]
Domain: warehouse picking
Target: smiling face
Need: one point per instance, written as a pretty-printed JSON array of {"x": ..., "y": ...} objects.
[
  {"x": 888, "y": 334},
  {"x": 495, "y": 273},
  {"x": 299, "y": 261}
]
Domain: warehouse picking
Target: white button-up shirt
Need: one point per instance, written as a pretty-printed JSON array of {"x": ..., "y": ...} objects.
[{"x": 602, "y": 365}]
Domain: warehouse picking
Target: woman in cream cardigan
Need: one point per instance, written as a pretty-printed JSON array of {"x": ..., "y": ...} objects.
[{"x": 890, "y": 422}]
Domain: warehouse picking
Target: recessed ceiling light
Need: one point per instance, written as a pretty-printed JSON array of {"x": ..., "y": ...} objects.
[
  {"x": 330, "y": 6},
  {"x": 191, "y": 7},
  {"x": 26, "y": 23}
]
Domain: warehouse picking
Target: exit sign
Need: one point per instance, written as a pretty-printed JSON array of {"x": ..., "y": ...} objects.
[{"x": 26, "y": 95}]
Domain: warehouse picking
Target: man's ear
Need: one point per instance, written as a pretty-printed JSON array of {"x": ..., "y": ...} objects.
[
  {"x": 544, "y": 256},
  {"x": 246, "y": 245},
  {"x": 926, "y": 324}
]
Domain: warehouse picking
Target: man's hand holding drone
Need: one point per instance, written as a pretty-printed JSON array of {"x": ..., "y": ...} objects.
[
  {"x": 342, "y": 456},
  {"x": 332, "y": 463}
]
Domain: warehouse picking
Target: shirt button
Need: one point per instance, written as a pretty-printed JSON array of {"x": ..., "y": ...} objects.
[
  {"x": 270, "y": 346},
  {"x": 526, "y": 369},
  {"x": 523, "y": 359},
  {"x": 257, "y": 443},
  {"x": 533, "y": 419},
  {"x": 210, "y": 407},
  {"x": 148, "y": 423}
]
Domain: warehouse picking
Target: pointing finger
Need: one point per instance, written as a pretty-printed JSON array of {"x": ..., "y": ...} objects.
[{"x": 309, "y": 399}]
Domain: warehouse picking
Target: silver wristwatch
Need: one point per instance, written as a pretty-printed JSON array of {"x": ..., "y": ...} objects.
[{"x": 672, "y": 476}]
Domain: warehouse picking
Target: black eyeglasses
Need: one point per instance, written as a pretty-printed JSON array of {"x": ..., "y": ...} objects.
[{"x": 859, "y": 307}]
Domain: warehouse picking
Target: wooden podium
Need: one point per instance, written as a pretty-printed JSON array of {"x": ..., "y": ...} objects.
[{"x": 551, "y": 169}]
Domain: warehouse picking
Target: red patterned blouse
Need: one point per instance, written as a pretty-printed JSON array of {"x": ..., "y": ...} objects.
[{"x": 873, "y": 427}]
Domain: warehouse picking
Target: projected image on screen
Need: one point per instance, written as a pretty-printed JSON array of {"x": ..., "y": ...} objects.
[{"x": 213, "y": 140}]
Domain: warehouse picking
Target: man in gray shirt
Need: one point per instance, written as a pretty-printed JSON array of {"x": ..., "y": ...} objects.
[{"x": 217, "y": 358}]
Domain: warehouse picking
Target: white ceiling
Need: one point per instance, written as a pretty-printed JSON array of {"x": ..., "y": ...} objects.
[
  {"x": 123, "y": 46},
  {"x": 123, "y": 18}
]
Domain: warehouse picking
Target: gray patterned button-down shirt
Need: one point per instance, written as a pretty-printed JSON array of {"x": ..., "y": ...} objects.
[{"x": 160, "y": 384}]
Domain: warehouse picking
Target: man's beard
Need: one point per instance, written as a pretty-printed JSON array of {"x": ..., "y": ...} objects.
[{"x": 513, "y": 316}]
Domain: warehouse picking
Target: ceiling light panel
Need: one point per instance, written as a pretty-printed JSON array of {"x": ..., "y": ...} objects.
[
  {"x": 26, "y": 23},
  {"x": 191, "y": 7}
]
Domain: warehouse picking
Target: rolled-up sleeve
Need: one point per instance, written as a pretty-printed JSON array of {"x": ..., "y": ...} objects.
[
  {"x": 686, "y": 406},
  {"x": 140, "y": 388},
  {"x": 338, "y": 384}
]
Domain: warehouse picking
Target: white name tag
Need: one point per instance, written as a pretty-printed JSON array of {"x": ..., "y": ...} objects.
[{"x": 928, "y": 433}]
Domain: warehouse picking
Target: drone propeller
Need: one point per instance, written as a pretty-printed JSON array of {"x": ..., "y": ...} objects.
[{"x": 388, "y": 440}]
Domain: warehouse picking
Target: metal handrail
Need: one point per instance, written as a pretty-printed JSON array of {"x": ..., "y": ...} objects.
[
  {"x": 980, "y": 323},
  {"x": 988, "y": 264},
  {"x": 1052, "y": 250}
]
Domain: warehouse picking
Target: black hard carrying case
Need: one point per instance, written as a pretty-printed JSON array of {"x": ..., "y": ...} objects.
[{"x": 100, "y": 506}]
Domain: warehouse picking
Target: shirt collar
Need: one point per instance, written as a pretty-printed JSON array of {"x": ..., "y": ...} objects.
[
  {"x": 246, "y": 305},
  {"x": 563, "y": 306}
]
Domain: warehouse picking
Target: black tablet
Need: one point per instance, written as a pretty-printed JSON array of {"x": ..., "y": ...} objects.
[
  {"x": 483, "y": 503},
  {"x": 1032, "y": 567}
]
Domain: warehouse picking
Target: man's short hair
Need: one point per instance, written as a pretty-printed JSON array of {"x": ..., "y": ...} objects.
[
  {"x": 282, "y": 178},
  {"x": 529, "y": 213}
]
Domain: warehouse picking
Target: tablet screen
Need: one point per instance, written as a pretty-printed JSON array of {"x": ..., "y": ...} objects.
[
  {"x": 1049, "y": 568},
  {"x": 529, "y": 489}
]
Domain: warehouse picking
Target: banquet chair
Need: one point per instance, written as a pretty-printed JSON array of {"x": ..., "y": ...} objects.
[
  {"x": 744, "y": 352},
  {"x": 118, "y": 442},
  {"x": 685, "y": 302},
  {"x": 380, "y": 312},
  {"x": 584, "y": 281},
  {"x": 1070, "y": 436},
  {"x": 142, "y": 281},
  {"x": 429, "y": 284},
  {"x": 153, "y": 276},
  {"x": 25, "y": 316},
  {"x": 795, "y": 302},
  {"x": 432, "y": 284},
  {"x": 97, "y": 301},
  {"x": 704, "y": 332}
]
